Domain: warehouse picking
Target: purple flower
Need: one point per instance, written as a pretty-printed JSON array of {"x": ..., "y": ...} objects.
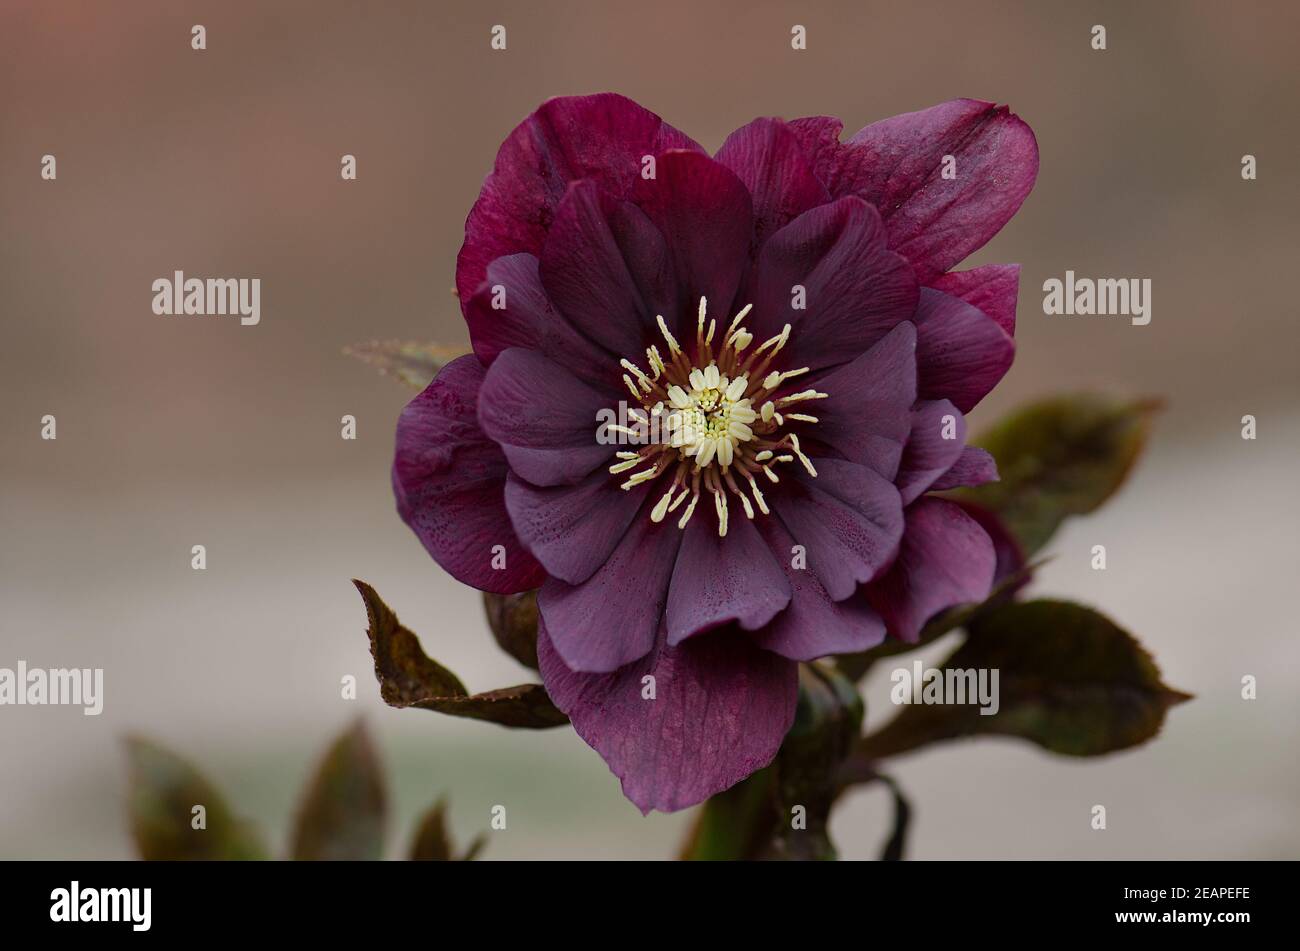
[{"x": 792, "y": 359}]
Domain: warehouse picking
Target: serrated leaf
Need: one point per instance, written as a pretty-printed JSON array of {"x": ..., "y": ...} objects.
[
  {"x": 1059, "y": 457},
  {"x": 341, "y": 816},
  {"x": 1069, "y": 680},
  {"x": 408, "y": 361},
  {"x": 410, "y": 678},
  {"x": 164, "y": 790}
]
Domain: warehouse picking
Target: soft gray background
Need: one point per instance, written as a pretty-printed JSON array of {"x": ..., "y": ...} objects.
[{"x": 177, "y": 432}]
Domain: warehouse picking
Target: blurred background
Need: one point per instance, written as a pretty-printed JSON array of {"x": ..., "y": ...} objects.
[{"x": 175, "y": 432}]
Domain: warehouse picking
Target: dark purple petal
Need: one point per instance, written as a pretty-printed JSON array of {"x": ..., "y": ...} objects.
[
  {"x": 612, "y": 617},
  {"x": 721, "y": 708},
  {"x": 1010, "y": 556},
  {"x": 854, "y": 290},
  {"x": 528, "y": 320},
  {"x": 973, "y": 467},
  {"x": 961, "y": 353},
  {"x": 930, "y": 451},
  {"x": 936, "y": 222},
  {"x": 449, "y": 478},
  {"x": 992, "y": 288},
  {"x": 572, "y": 529},
  {"x": 848, "y": 518},
  {"x": 602, "y": 137},
  {"x": 587, "y": 266},
  {"x": 814, "y": 625},
  {"x": 945, "y": 559},
  {"x": 836, "y": 165},
  {"x": 866, "y": 415},
  {"x": 544, "y": 418},
  {"x": 722, "y": 579},
  {"x": 706, "y": 217},
  {"x": 769, "y": 160}
]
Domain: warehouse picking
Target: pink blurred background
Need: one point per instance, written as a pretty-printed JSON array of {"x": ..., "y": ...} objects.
[{"x": 175, "y": 432}]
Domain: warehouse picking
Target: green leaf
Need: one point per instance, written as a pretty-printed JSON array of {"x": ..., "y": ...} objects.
[
  {"x": 1068, "y": 679},
  {"x": 513, "y": 619},
  {"x": 1060, "y": 457},
  {"x": 163, "y": 791},
  {"x": 433, "y": 841},
  {"x": 410, "y": 678},
  {"x": 341, "y": 817},
  {"x": 412, "y": 363}
]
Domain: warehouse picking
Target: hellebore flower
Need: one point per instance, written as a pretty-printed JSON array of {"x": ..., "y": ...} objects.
[{"x": 774, "y": 340}]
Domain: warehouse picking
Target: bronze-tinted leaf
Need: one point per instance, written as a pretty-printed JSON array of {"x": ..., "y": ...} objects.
[
  {"x": 162, "y": 797},
  {"x": 410, "y": 678},
  {"x": 433, "y": 841},
  {"x": 412, "y": 363},
  {"x": 1059, "y": 457},
  {"x": 341, "y": 816},
  {"x": 1069, "y": 680},
  {"x": 513, "y": 619}
]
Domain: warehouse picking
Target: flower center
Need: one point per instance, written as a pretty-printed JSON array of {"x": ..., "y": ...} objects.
[{"x": 699, "y": 421}]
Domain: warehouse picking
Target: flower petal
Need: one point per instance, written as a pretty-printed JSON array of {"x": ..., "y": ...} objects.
[
  {"x": 598, "y": 257},
  {"x": 511, "y": 309},
  {"x": 718, "y": 580},
  {"x": 814, "y": 625},
  {"x": 767, "y": 157},
  {"x": 936, "y": 222},
  {"x": 961, "y": 353},
  {"x": 612, "y": 617},
  {"x": 866, "y": 415},
  {"x": 717, "y": 710},
  {"x": 449, "y": 478},
  {"x": 543, "y": 417},
  {"x": 992, "y": 288},
  {"x": 973, "y": 467},
  {"x": 848, "y": 519},
  {"x": 706, "y": 217},
  {"x": 945, "y": 559},
  {"x": 573, "y": 529},
  {"x": 830, "y": 276},
  {"x": 601, "y": 137},
  {"x": 930, "y": 451}
]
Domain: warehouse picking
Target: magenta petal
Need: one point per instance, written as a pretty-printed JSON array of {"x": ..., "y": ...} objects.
[
  {"x": 945, "y": 559},
  {"x": 992, "y": 288},
  {"x": 973, "y": 467},
  {"x": 961, "y": 353},
  {"x": 573, "y": 529},
  {"x": 706, "y": 217},
  {"x": 930, "y": 451},
  {"x": 768, "y": 159},
  {"x": 866, "y": 415},
  {"x": 848, "y": 519},
  {"x": 449, "y": 478},
  {"x": 601, "y": 137},
  {"x": 1010, "y": 556},
  {"x": 587, "y": 266},
  {"x": 613, "y": 616},
  {"x": 544, "y": 419},
  {"x": 720, "y": 709},
  {"x": 814, "y": 625},
  {"x": 933, "y": 221},
  {"x": 528, "y": 320},
  {"x": 854, "y": 289},
  {"x": 718, "y": 580}
]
